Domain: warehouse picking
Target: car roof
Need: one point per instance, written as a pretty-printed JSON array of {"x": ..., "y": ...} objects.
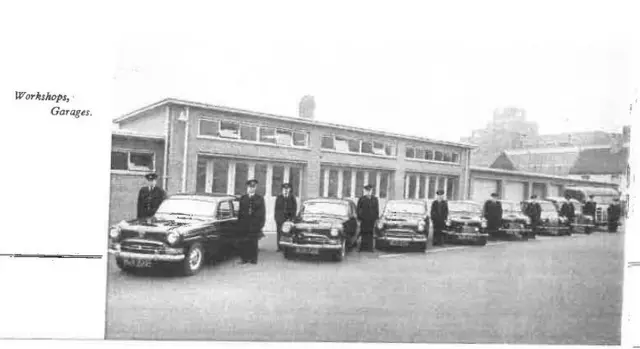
[{"x": 203, "y": 196}]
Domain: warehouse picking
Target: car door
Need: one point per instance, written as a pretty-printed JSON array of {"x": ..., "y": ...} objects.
[
  {"x": 353, "y": 224},
  {"x": 226, "y": 219}
]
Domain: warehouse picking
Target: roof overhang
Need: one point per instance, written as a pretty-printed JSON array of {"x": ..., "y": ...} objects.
[{"x": 536, "y": 175}]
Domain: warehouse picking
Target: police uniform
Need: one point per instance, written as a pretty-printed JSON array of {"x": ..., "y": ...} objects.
[
  {"x": 285, "y": 210},
  {"x": 439, "y": 215},
  {"x": 567, "y": 210},
  {"x": 614, "y": 211},
  {"x": 251, "y": 218},
  {"x": 149, "y": 198},
  {"x": 492, "y": 212},
  {"x": 590, "y": 208},
  {"x": 368, "y": 213},
  {"x": 534, "y": 212}
]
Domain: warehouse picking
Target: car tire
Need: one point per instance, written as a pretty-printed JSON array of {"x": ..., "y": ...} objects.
[
  {"x": 288, "y": 253},
  {"x": 124, "y": 268},
  {"x": 422, "y": 247},
  {"x": 193, "y": 261},
  {"x": 339, "y": 256},
  {"x": 481, "y": 242}
]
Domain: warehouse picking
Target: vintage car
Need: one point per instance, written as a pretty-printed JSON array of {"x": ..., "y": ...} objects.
[
  {"x": 323, "y": 226},
  {"x": 515, "y": 224},
  {"x": 186, "y": 229},
  {"x": 465, "y": 223},
  {"x": 582, "y": 223},
  {"x": 551, "y": 223},
  {"x": 403, "y": 223}
]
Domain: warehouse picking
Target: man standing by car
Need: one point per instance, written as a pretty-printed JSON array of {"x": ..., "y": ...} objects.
[
  {"x": 150, "y": 197},
  {"x": 568, "y": 211},
  {"x": 614, "y": 211},
  {"x": 368, "y": 213},
  {"x": 439, "y": 215},
  {"x": 534, "y": 211},
  {"x": 251, "y": 218},
  {"x": 285, "y": 210},
  {"x": 492, "y": 212},
  {"x": 590, "y": 207}
]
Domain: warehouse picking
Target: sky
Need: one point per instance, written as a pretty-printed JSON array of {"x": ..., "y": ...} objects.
[{"x": 415, "y": 69}]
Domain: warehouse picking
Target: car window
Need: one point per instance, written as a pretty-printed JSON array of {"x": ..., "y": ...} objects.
[
  {"x": 236, "y": 207},
  {"x": 225, "y": 210}
]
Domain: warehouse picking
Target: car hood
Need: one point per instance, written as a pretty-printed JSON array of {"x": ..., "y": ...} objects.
[
  {"x": 514, "y": 216},
  {"x": 157, "y": 225},
  {"x": 464, "y": 217},
  {"x": 402, "y": 220},
  {"x": 318, "y": 222}
]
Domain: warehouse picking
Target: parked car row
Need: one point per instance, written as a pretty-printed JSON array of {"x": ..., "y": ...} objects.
[{"x": 189, "y": 229}]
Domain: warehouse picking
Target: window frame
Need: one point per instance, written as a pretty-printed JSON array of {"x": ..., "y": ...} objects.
[
  {"x": 392, "y": 146},
  {"x": 231, "y": 211},
  {"x": 128, "y": 151},
  {"x": 259, "y": 133}
]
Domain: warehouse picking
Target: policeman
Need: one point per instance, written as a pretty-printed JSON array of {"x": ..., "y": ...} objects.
[
  {"x": 285, "y": 210},
  {"x": 534, "y": 211},
  {"x": 439, "y": 215},
  {"x": 251, "y": 218},
  {"x": 368, "y": 213},
  {"x": 568, "y": 211},
  {"x": 614, "y": 211},
  {"x": 492, "y": 212},
  {"x": 590, "y": 207},
  {"x": 150, "y": 197}
]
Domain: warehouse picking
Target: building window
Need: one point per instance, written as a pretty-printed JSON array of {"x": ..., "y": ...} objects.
[
  {"x": 422, "y": 191},
  {"x": 229, "y": 129},
  {"x": 439, "y": 156},
  {"x": 359, "y": 183},
  {"x": 132, "y": 161},
  {"x": 208, "y": 128},
  {"x": 201, "y": 175},
  {"x": 432, "y": 187},
  {"x": 294, "y": 180},
  {"x": 367, "y": 147},
  {"x": 321, "y": 194},
  {"x": 390, "y": 150},
  {"x": 341, "y": 144},
  {"x": 284, "y": 137},
  {"x": 299, "y": 139},
  {"x": 384, "y": 184},
  {"x": 242, "y": 176},
  {"x": 455, "y": 157},
  {"x": 354, "y": 146},
  {"x": 327, "y": 142},
  {"x": 261, "y": 176},
  {"x": 277, "y": 180},
  {"x": 333, "y": 183},
  {"x": 220, "y": 176},
  {"x": 447, "y": 157},
  {"x": 346, "y": 184},
  {"x": 419, "y": 153},
  {"x": 268, "y": 135},
  {"x": 249, "y": 133},
  {"x": 410, "y": 152},
  {"x": 428, "y": 155}
]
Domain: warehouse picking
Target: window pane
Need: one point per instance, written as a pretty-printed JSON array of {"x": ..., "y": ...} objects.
[
  {"x": 359, "y": 183},
  {"x": 367, "y": 147},
  {"x": 341, "y": 144},
  {"x": 249, "y": 133},
  {"x": 224, "y": 210},
  {"x": 201, "y": 175},
  {"x": 333, "y": 183},
  {"x": 423, "y": 183},
  {"x": 354, "y": 146},
  {"x": 294, "y": 180},
  {"x": 277, "y": 180},
  {"x": 229, "y": 129},
  {"x": 327, "y": 142},
  {"x": 410, "y": 153},
  {"x": 220, "y": 176},
  {"x": 242, "y": 176},
  {"x": 346, "y": 184},
  {"x": 119, "y": 160},
  {"x": 432, "y": 187},
  {"x": 140, "y": 162},
  {"x": 268, "y": 135},
  {"x": 261, "y": 177},
  {"x": 455, "y": 157},
  {"x": 441, "y": 183},
  {"x": 209, "y": 128},
  {"x": 447, "y": 157},
  {"x": 321, "y": 194},
  {"x": 372, "y": 181},
  {"x": 300, "y": 139},
  {"x": 412, "y": 187},
  {"x": 419, "y": 153},
  {"x": 378, "y": 148},
  {"x": 384, "y": 184},
  {"x": 390, "y": 150},
  {"x": 284, "y": 137},
  {"x": 450, "y": 188},
  {"x": 428, "y": 155},
  {"x": 438, "y": 156}
]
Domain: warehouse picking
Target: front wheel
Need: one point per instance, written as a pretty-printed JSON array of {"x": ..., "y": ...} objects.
[
  {"x": 481, "y": 242},
  {"x": 422, "y": 247},
  {"x": 339, "y": 256},
  {"x": 193, "y": 260}
]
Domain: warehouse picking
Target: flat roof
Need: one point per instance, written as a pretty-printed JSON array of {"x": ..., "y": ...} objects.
[
  {"x": 138, "y": 112},
  {"x": 538, "y": 175},
  {"x": 135, "y": 134}
]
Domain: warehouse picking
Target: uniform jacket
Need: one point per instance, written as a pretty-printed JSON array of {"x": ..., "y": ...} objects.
[
  {"x": 368, "y": 212},
  {"x": 589, "y": 208},
  {"x": 149, "y": 200},
  {"x": 251, "y": 215},
  {"x": 614, "y": 211},
  {"x": 534, "y": 211},
  {"x": 439, "y": 211},
  {"x": 286, "y": 208},
  {"x": 568, "y": 210},
  {"x": 492, "y": 212}
]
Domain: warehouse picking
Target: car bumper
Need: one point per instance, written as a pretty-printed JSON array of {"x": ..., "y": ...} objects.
[
  {"x": 420, "y": 238},
  {"x": 514, "y": 230},
  {"x": 311, "y": 246},
  {"x": 175, "y": 256}
]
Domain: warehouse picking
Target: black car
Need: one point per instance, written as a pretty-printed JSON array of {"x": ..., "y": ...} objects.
[
  {"x": 324, "y": 226},
  {"x": 403, "y": 223},
  {"x": 465, "y": 223},
  {"x": 186, "y": 229},
  {"x": 515, "y": 224},
  {"x": 551, "y": 223}
]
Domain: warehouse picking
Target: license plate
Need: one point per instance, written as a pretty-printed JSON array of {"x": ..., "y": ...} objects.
[
  {"x": 307, "y": 250},
  {"x": 399, "y": 243},
  {"x": 137, "y": 263}
]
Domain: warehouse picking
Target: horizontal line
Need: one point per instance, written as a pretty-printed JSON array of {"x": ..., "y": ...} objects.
[
  {"x": 71, "y": 256},
  {"x": 448, "y": 249},
  {"x": 634, "y": 264},
  {"x": 391, "y": 255}
]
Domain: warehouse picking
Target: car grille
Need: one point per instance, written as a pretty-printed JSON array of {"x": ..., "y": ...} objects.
[
  {"x": 312, "y": 238},
  {"x": 128, "y": 234},
  {"x": 142, "y": 247},
  {"x": 513, "y": 225},
  {"x": 399, "y": 233}
]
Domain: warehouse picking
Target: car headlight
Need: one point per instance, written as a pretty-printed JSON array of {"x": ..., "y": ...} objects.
[
  {"x": 286, "y": 227},
  {"x": 421, "y": 226},
  {"x": 448, "y": 222},
  {"x": 114, "y": 232},
  {"x": 527, "y": 220},
  {"x": 173, "y": 237},
  {"x": 334, "y": 232},
  {"x": 381, "y": 224},
  {"x": 483, "y": 223}
]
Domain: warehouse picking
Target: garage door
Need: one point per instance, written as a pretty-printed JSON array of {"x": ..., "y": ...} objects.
[
  {"x": 538, "y": 190},
  {"x": 514, "y": 191},
  {"x": 482, "y": 189},
  {"x": 554, "y": 190}
]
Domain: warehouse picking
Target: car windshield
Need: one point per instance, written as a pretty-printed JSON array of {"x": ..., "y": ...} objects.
[
  {"x": 187, "y": 207},
  {"x": 463, "y": 207},
  {"x": 325, "y": 208},
  {"x": 548, "y": 207},
  {"x": 510, "y": 207},
  {"x": 394, "y": 207}
]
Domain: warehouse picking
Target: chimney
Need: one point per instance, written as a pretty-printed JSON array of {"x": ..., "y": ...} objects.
[{"x": 307, "y": 107}]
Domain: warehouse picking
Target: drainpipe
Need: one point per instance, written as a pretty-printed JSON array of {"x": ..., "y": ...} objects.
[
  {"x": 165, "y": 170},
  {"x": 184, "y": 116}
]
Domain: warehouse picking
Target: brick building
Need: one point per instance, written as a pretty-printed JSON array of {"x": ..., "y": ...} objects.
[{"x": 223, "y": 147}]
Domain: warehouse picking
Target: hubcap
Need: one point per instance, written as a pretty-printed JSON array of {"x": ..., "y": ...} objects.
[{"x": 194, "y": 258}]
